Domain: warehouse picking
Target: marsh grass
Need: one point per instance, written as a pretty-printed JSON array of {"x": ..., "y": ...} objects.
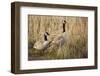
[{"x": 77, "y": 33}]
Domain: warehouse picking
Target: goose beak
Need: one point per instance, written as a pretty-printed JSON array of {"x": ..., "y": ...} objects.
[{"x": 47, "y": 33}]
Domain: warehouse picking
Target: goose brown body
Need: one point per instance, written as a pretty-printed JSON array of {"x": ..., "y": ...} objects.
[
  {"x": 42, "y": 45},
  {"x": 62, "y": 38}
]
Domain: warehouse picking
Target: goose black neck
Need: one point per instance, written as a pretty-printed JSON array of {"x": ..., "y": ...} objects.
[
  {"x": 45, "y": 37},
  {"x": 64, "y": 27}
]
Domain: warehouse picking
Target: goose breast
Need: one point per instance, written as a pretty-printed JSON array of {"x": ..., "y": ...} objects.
[{"x": 41, "y": 46}]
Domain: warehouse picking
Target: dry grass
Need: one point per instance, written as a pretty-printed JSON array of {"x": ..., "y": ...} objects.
[{"x": 77, "y": 33}]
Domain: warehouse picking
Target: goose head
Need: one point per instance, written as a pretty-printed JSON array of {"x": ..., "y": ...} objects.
[{"x": 45, "y": 36}]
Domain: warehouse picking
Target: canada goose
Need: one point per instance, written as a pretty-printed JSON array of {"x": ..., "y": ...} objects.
[
  {"x": 61, "y": 39},
  {"x": 42, "y": 46}
]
